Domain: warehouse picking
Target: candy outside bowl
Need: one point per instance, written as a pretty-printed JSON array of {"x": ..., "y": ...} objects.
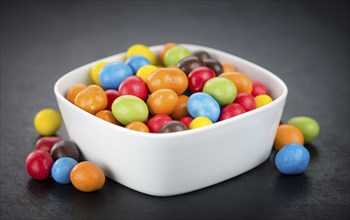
[{"x": 174, "y": 163}]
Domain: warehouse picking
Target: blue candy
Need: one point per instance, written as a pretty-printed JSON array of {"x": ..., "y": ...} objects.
[
  {"x": 202, "y": 104},
  {"x": 61, "y": 169},
  {"x": 292, "y": 159},
  {"x": 136, "y": 62},
  {"x": 113, "y": 74}
]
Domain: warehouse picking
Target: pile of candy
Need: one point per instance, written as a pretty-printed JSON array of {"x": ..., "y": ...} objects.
[{"x": 192, "y": 90}]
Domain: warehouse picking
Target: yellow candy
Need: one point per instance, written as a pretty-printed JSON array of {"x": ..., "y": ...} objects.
[
  {"x": 47, "y": 122},
  {"x": 262, "y": 100},
  {"x": 200, "y": 121},
  {"x": 140, "y": 49},
  {"x": 145, "y": 71},
  {"x": 95, "y": 71}
]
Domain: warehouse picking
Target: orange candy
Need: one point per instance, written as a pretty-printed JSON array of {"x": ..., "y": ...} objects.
[
  {"x": 168, "y": 78},
  {"x": 243, "y": 83},
  {"x": 107, "y": 115},
  {"x": 166, "y": 47},
  {"x": 180, "y": 110},
  {"x": 73, "y": 92},
  {"x": 162, "y": 101},
  {"x": 227, "y": 67},
  {"x": 287, "y": 134},
  {"x": 138, "y": 126},
  {"x": 91, "y": 99},
  {"x": 87, "y": 177}
]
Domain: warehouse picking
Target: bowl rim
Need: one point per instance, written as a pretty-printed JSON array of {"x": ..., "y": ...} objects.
[{"x": 60, "y": 97}]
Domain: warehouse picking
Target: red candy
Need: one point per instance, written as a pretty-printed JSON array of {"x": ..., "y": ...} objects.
[
  {"x": 156, "y": 122},
  {"x": 198, "y": 77},
  {"x": 46, "y": 143},
  {"x": 111, "y": 96},
  {"x": 259, "y": 89},
  {"x": 246, "y": 100},
  {"x": 186, "y": 121},
  {"x": 38, "y": 164},
  {"x": 134, "y": 85},
  {"x": 230, "y": 111}
]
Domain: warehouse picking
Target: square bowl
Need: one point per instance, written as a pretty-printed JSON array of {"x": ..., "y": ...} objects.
[{"x": 175, "y": 163}]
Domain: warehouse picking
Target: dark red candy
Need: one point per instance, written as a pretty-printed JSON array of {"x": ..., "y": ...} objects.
[
  {"x": 38, "y": 164},
  {"x": 230, "y": 111},
  {"x": 246, "y": 100},
  {"x": 111, "y": 96},
  {"x": 189, "y": 63},
  {"x": 198, "y": 77},
  {"x": 214, "y": 65},
  {"x": 66, "y": 148},
  {"x": 46, "y": 143},
  {"x": 133, "y": 85},
  {"x": 156, "y": 122},
  {"x": 173, "y": 126},
  {"x": 259, "y": 89},
  {"x": 201, "y": 54},
  {"x": 186, "y": 121}
]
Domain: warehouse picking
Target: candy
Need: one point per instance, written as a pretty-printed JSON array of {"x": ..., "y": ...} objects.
[
  {"x": 128, "y": 108},
  {"x": 138, "y": 126},
  {"x": 198, "y": 77},
  {"x": 230, "y": 111},
  {"x": 199, "y": 122},
  {"x": 214, "y": 65},
  {"x": 145, "y": 71},
  {"x": 74, "y": 91},
  {"x": 87, "y": 177},
  {"x": 111, "y": 96},
  {"x": 166, "y": 47},
  {"x": 133, "y": 85},
  {"x": 46, "y": 143},
  {"x": 66, "y": 148},
  {"x": 156, "y": 122},
  {"x": 168, "y": 78},
  {"x": 91, "y": 99},
  {"x": 259, "y": 89},
  {"x": 221, "y": 89},
  {"x": 61, "y": 169},
  {"x": 38, "y": 164},
  {"x": 190, "y": 63},
  {"x": 113, "y": 74},
  {"x": 308, "y": 126},
  {"x": 95, "y": 72},
  {"x": 175, "y": 54},
  {"x": 173, "y": 126},
  {"x": 186, "y": 121},
  {"x": 287, "y": 134},
  {"x": 180, "y": 110},
  {"x": 136, "y": 62},
  {"x": 107, "y": 115},
  {"x": 140, "y": 49},
  {"x": 201, "y": 54},
  {"x": 292, "y": 159},
  {"x": 227, "y": 67},
  {"x": 243, "y": 83},
  {"x": 262, "y": 100},
  {"x": 246, "y": 100},
  {"x": 202, "y": 104},
  {"x": 47, "y": 122},
  {"x": 162, "y": 101}
]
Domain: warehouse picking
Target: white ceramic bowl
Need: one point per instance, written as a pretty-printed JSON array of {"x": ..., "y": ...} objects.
[{"x": 175, "y": 163}]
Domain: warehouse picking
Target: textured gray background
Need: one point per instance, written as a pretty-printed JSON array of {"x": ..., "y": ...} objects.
[{"x": 305, "y": 43}]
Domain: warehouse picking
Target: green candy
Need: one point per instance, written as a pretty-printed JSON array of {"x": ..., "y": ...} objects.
[
  {"x": 223, "y": 90},
  {"x": 308, "y": 126},
  {"x": 175, "y": 54},
  {"x": 129, "y": 108}
]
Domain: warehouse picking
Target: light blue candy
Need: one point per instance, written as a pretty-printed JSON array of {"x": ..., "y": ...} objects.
[
  {"x": 202, "y": 104},
  {"x": 136, "y": 62},
  {"x": 61, "y": 169},
  {"x": 113, "y": 74},
  {"x": 292, "y": 159}
]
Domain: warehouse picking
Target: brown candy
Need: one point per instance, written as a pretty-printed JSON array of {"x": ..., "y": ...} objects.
[
  {"x": 189, "y": 63},
  {"x": 173, "y": 126},
  {"x": 214, "y": 65},
  {"x": 201, "y": 55},
  {"x": 66, "y": 148}
]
